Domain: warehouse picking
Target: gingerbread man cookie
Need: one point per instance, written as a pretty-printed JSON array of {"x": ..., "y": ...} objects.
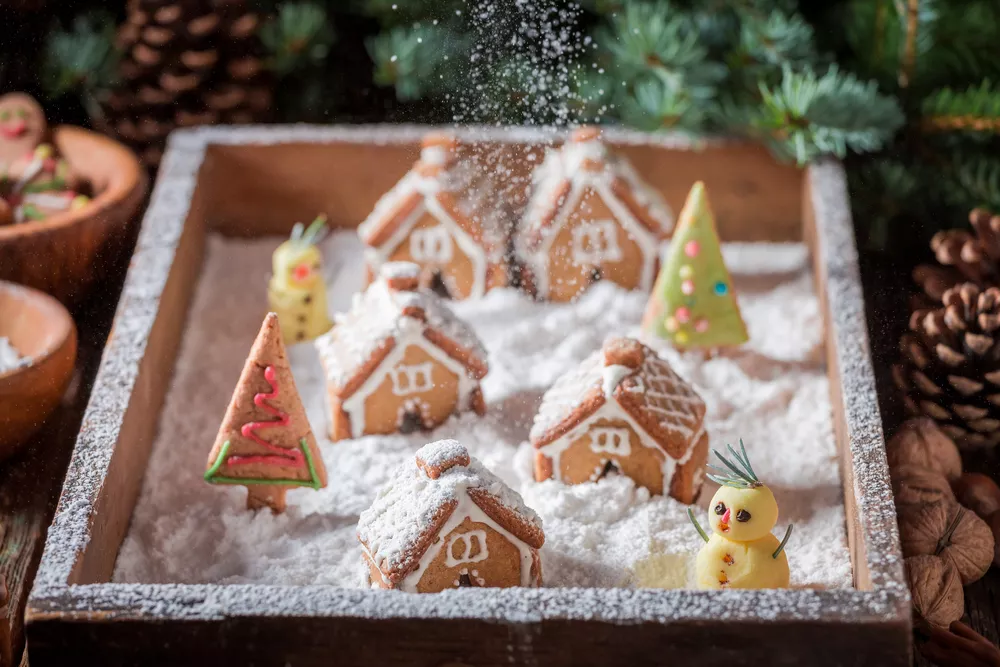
[{"x": 22, "y": 127}]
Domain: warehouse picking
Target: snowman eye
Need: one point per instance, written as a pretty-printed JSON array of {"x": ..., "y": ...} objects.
[
  {"x": 720, "y": 509},
  {"x": 743, "y": 516}
]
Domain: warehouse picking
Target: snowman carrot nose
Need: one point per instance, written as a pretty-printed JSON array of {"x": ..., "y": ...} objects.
[{"x": 725, "y": 517}]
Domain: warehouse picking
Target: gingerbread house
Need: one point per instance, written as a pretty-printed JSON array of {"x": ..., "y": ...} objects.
[
  {"x": 590, "y": 217},
  {"x": 625, "y": 410},
  {"x": 445, "y": 521},
  {"x": 446, "y": 216},
  {"x": 399, "y": 360}
]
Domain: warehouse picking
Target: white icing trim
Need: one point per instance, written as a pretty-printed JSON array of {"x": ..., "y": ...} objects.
[
  {"x": 467, "y": 509},
  {"x": 613, "y": 375},
  {"x": 648, "y": 244},
  {"x": 412, "y": 334},
  {"x": 612, "y": 410},
  {"x": 413, "y": 183}
]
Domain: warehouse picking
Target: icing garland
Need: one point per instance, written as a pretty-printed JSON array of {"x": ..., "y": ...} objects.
[
  {"x": 279, "y": 456},
  {"x": 212, "y": 476}
]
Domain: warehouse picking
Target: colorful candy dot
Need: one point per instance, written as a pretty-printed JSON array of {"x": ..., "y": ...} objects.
[
  {"x": 671, "y": 324},
  {"x": 687, "y": 287},
  {"x": 701, "y": 325},
  {"x": 682, "y": 314},
  {"x": 720, "y": 288},
  {"x": 681, "y": 337},
  {"x": 686, "y": 271},
  {"x": 691, "y": 248}
]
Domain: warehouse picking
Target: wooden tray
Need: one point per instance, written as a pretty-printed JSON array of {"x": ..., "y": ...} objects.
[{"x": 252, "y": 181}]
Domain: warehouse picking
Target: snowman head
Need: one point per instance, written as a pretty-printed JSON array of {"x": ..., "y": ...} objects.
[
  {"x": 743, "y": 509},
  {"x": 296, "y": 262}
]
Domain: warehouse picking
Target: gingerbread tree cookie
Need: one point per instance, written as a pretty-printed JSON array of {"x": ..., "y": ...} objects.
[
  {"x": 265, "y": 442},
  {"x": 693, "y": 303}
]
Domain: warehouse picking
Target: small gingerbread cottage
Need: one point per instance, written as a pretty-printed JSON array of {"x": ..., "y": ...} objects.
[
  {"x": 590, "y": 217},
  {"x": 445, "y": 521},
  {"x": 446, "y": 216},
  {"x": 623, "y": 409},
  {"x": 399, "y": 360}
]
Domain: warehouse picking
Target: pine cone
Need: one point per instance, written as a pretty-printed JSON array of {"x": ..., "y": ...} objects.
[
  {"x": 950, "y": 369},
  {"x": 185, "y": 63},
  {"x": 965, "y": 257}
]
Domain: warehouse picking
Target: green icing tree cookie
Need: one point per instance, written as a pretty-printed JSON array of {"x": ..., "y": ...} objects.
[{"x": 693, "y": 303}]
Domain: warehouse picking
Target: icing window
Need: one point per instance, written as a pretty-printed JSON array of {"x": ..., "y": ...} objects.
[
  {"x": 596, "y": 242},
  {"x": 414, "y": 379},
  {"x": 610, "y": 440},
  {"x": 432, "y": 244},
  {"x": 467, "y": 547}
]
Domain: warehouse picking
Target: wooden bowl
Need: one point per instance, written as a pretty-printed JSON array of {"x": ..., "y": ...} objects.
[
  {"x": 64, "y": 254},
  {"x": 39, "y": 327}
]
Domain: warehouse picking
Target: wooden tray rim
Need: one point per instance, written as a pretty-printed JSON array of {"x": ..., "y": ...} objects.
[{"x": 886, "y": 602}]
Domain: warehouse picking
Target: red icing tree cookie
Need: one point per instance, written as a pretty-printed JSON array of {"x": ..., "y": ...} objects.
[{"x": 265, "y": 442}]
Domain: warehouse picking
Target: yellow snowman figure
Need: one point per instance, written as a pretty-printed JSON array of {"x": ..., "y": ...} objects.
[
  {"x": 742, "y": 552},
  {"x": 297, "y": 292}
]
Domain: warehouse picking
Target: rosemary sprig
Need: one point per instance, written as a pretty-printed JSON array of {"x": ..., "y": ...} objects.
[
  {"x": 697, "y": 526},
  {"x": 740, "y": 475},
  {"x": 784, "y": 541}
]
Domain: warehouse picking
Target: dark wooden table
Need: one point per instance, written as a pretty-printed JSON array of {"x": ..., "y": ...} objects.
[{"x": 30, "y": 483}]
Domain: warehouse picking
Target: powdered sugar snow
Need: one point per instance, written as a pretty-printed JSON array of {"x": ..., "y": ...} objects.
[{"x": 773, "y": 393}]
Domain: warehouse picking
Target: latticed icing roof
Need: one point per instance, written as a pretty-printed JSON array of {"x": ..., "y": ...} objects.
[
  {"x": 585, "y": 161},
  {"x": 421, "y": 496},
  {"x": 393, "y": 306},
  {"x": 466, "y": 193},
  {"x": 645, "y": 386}
]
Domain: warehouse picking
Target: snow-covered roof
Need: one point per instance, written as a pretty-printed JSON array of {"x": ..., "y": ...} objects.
[
  {"x": 390, "y": 308},
  {"x": 634, "y": 376},
  {"x": 584, "y": 161},
  {"x": 420, "y": 497},
  {"x": 465, "y": 192}
]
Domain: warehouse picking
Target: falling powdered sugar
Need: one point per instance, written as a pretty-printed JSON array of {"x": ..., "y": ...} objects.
[{"x": 773, "y": 393}]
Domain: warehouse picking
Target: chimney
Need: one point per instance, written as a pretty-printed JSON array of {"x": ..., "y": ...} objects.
[
  {"x": 401, "y": 276},
  {"x": 621, "y": 351},
  {"x": 437, "y": 458}
]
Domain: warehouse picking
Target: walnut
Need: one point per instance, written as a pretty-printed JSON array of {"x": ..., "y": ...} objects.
[
  {"x": 920, "y": 442},
  {"x": 913, "y": 485},
  {"x": 936, "y": 589},
  {"x": 979, "y": 493},
  {"x": 950, "y": 531}
]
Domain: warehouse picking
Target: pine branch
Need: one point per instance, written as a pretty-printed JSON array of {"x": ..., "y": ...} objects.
[
  {"x": 414, "y": 59},
  {"x": 977, "y": 184},
  {"x": 778, "y": 39},
  {"x": 658, "y": 39},
  {"x": 299, "y": 36},
  {"x": 657, "y": 104},
  {"x": 976, "y": 109},
  {"x": 885, "y": 38},
  {"x": 392, "y": 13},
  {"x": 83, "y": 59},
  {"x": 807, "y": 115}
]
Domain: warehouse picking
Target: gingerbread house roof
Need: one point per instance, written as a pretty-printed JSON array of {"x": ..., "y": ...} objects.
[
  {"x": 420, "y": 497},
  {"x": 391, "y": 308},
  {"x": 627, "y": 372},
  {"x": 585, "y": 162},
  {"x": 448, "y": 185}
]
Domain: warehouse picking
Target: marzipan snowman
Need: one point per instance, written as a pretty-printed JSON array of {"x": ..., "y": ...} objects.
[
  {"x": 742, "y": 552},
  {"x": 296, "y": 291}
]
